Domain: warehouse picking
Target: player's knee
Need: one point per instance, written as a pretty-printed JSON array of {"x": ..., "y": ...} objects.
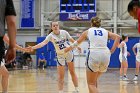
[
  {"x": 6, "y": 74},
  {"x": 61, "y": 77},
  {"x": 72, "y": 72},
  {"x": 92, "y": 83}
]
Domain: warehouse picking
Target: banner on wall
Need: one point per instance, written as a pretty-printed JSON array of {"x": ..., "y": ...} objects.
[
  {"x": 27, "y": 15},
  {"x": 77, "y": 10}
]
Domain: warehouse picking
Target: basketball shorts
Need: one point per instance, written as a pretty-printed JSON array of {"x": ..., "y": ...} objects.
[
  {"x": 62, "y": 59},
  {"x": 2, "y": 51},
  {"x": 122, "y": 58},
  {"x": 138, "y": 58},
  {"x": 98, "y": 60}
]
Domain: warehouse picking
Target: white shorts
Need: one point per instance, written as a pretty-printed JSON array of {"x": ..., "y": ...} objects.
[
  {"x": 61, "y": 59},
  {"x": 98, "y": 60},
  {"x": 122, "y": 58},
  {"x": 138, "y": 58}
]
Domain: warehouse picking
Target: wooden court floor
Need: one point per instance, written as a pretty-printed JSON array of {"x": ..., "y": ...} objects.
[{"x": 45, "y": 81}]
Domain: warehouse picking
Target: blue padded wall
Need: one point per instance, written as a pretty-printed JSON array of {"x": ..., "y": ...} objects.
[
  {"x": 49, "y": 52},
  {"x": 114, "y": 60}
]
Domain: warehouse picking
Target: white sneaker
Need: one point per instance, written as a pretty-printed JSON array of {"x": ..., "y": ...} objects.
[
  {"x": 76, "y": 90},
  {"x": 125, "y": 78},
  {"x": 135, "y": 78}
]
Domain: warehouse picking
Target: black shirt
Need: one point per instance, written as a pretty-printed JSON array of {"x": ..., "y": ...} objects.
[{"x": 6, "y": 9}]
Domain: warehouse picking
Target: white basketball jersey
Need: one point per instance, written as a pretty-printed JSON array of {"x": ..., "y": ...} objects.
[
  {"x": 137, "y": 45},
  {"x": 60, "y": 41},
  {"x": 98, "y": 37},
  {"x": 125, "y": 49}
]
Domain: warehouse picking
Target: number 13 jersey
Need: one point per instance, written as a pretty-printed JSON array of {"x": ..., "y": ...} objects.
[{"x": 98, "y": 37}]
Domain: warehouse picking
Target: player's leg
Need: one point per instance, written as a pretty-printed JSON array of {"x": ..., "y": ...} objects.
[
  {"x": 92, "y": 81},
  {"x": 5, "y": 76},
  {"x": 125, "y": 67},
  {"x": 73, "y": 74},
  {"x": 70, "y": 62},
  {"x": 137, "y": 70},
  {"x": 61, "y": 72},
  {"x": 99, "y": 74},
  {"x": 121, "y": 71}
]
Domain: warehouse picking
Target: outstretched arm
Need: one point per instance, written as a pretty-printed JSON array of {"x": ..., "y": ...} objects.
[
  {"x": 31, "y": 48},
  {"x": 43, "y": 43},
  {"x": 72, "y": 40},
  {"x": 6, "y": 40},
  {"x": 79, "y": 40}
]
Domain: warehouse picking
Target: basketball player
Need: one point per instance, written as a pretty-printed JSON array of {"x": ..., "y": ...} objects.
[
  {"x": 123, "y": 58},
  {"x": 137, "y": 54},
  {"x": 99, "y": 55},
  {"x": 134, "y": 11},
  {"x": 7, "y": 16},
  {"x": 62, "y": 39}
]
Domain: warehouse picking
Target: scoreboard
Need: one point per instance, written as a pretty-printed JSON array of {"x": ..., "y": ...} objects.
[{"x": 77, "y": 9}]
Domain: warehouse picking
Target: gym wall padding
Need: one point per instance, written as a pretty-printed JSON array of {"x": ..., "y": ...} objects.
[
  {"x": 114, "y": 60},
  {"x": 49, "y": 52}
]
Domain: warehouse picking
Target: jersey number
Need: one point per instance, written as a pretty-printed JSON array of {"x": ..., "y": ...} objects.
[
  {"x": 98, "y": 33},
  {"x": 61, "y": 46}
]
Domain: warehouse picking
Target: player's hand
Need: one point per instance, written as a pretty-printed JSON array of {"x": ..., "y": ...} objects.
[
  {"x": 26, "y": 50},
  {"x": 111, "y": 51},
  {"x": 10, "y": 55},
  {"x": 128, "y": 54},
  {"x": 29, "y": 49}
]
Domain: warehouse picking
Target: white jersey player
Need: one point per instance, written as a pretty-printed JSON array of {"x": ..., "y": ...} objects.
[
  {"x": 98, "y": 38},
  {"x": 99, "y": 54},
  {"x": 123, "y": 58},
  {"x": 60, "y": 42},
  {"x": 123, "y": 52},
  {"x": 61, "y": 39}
]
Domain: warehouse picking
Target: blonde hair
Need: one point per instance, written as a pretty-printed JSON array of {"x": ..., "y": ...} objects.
[{"x": 95, "y": 22}]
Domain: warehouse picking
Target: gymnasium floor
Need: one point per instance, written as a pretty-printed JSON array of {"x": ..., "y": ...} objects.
[{"x": 45, "y": 81}]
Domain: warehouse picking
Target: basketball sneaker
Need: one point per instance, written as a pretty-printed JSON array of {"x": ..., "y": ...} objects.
[
  {"x": 135, "y": 78},
  {"x": 125, "y": 78}
]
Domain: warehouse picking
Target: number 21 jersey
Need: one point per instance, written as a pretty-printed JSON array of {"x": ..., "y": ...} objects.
[{"x": 61, "y": 40}]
